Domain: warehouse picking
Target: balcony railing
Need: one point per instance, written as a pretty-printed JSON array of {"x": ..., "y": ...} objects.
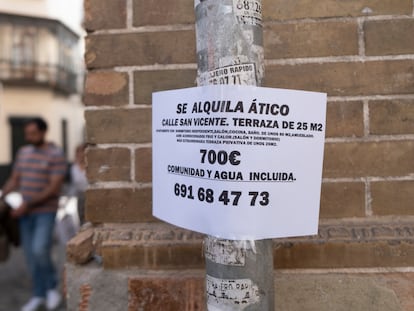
[{"x": 32, "y": 74}]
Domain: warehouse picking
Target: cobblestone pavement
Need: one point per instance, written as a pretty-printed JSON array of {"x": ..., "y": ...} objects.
[{"x": 15, "y": 284}]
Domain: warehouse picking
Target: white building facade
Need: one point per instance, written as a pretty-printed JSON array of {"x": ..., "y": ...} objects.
[{"x": 41, "y": 73}]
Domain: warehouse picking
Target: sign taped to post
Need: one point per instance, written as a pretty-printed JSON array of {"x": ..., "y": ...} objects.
[{"x": 238, "y": 162}]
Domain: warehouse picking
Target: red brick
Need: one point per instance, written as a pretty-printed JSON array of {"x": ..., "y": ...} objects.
[
  {"x": 139, "y": 49},
  {"x": 389, "y": 37},
  {"x": 391, "y": 117},
  {"x": 310, "y": 39},
  {"x": 106, "y": 88},
  {"x": 393, "y": 197},
  {"x": 166, "y": 293},
  {"x": 112, "y": 164},
  {"x": 118, "y": 126},
  {"x": 344, "y": 255},
  {"x": 287, "y": 9},
  {"x": 154, "y": 12},
  {"x": 345, "y": 78},
  {"x": 79, "y": 250},
  {"x": 146, "y": 82},
  {"x": 341, "y": 200},
  {"x": 143, "y": 165},
  {"x": 104, "y": 14},
  {"x": 156, "y": 257},
  {"x": 345, "y": 119},
  {"x": 119, "y": 205},
  {"x": 85, "y": 292},
  {"x": 360, "y": 159}
]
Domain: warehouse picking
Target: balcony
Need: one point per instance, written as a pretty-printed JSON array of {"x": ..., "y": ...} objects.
[
  {"x": 32, "y": 74},
  {"x": 39, "y": 52}
]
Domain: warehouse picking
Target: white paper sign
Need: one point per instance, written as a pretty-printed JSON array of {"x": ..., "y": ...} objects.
[{"x": 238, "y": 162}]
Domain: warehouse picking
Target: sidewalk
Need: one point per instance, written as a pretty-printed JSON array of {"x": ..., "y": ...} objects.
[{"x": 15, "y": 284}]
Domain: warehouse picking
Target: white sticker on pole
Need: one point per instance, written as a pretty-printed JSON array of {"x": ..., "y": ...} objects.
[
  {"x": 238, "y": 162},
  {"x": 248, "y": 12},
  {"x": 234, "y": 294},
  {"x": 226, "y": 252},
  {"x": 243, "y": 74}
]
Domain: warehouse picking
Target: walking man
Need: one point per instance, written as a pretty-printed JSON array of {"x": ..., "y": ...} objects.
[{"x": 38, "y": 175}]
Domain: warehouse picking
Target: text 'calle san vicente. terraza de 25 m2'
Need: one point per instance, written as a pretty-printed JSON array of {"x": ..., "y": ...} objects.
[{"x": 238, "y": 152}]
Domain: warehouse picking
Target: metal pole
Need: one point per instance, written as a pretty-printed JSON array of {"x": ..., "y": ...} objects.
[{"x": 239, "y": 274}]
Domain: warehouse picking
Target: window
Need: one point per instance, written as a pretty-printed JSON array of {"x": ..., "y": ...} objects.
[{"x": 23, "y": 46}]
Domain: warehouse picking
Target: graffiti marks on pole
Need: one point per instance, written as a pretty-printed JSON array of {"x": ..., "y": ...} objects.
[
  {"x": 225, "y": 252},
  {"x": 228, "y": 294}
]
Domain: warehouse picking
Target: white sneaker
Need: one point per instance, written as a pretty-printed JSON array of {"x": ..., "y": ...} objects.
[
  {"x": 53, "y": 299},
  {"x": 33, "y": 304}
]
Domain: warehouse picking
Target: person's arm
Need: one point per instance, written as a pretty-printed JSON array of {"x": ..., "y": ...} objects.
[
  {"x": 11, "y": 184},
  {"x": 51, "y": 190}
]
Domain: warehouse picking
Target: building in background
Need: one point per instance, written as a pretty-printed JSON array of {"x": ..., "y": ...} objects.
[{"x": 41, "y": 73}]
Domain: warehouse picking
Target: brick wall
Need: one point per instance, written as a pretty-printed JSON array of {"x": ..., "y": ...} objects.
[{"x": 359, "y": 52}]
